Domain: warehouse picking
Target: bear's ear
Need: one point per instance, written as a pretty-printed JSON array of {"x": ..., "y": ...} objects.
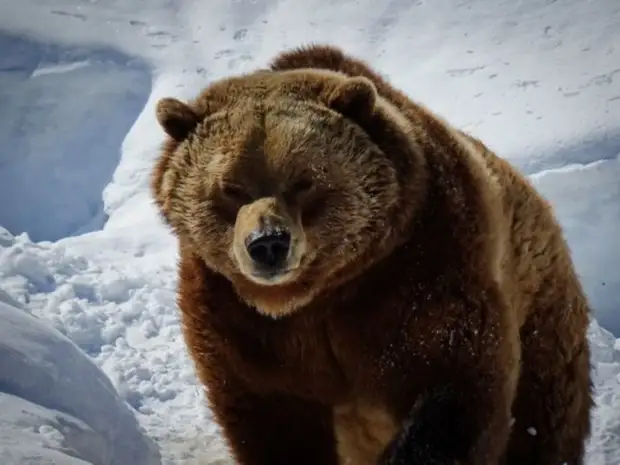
[
  {"x": 355, "y": 98},
  {"x": 176, "y": 118}
]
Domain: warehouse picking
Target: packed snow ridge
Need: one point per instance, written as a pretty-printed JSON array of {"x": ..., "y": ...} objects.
[
  {"x": 53, "y": 396},
  {"x": 93, "y": 369},
  {"x": 63, "y": 155}
]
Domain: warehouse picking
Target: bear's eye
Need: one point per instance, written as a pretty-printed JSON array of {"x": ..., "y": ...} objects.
[
  {"x": 235, "y": 193},
  {"x": 300, "y": 187}
]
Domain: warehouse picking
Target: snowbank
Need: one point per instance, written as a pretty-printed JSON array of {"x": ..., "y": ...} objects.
[
  {"x": 65, "y": 112},
  {"x": 57, "y": 406}
]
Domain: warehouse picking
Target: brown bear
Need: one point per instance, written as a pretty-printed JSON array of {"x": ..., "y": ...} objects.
[{"x": 362, "y": 283}]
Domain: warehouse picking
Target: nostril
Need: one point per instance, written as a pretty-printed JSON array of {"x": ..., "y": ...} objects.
[{"x": 269, "y": 249}]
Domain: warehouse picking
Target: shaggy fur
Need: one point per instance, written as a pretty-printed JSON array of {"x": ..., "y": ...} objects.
[{"x": 428, "y": 312}]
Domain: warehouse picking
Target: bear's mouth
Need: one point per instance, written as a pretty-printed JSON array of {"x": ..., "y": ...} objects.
[{"x": 272, "y": 277}]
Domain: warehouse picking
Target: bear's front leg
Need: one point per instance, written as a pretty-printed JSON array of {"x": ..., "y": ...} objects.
[
  {"x": 272, "y": 429},
  {"x": 465, "y": 416}
]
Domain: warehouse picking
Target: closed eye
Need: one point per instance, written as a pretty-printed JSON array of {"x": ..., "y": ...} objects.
[
  {"x": 300, "y": 187},
  {"x": 235, "y": 193}
]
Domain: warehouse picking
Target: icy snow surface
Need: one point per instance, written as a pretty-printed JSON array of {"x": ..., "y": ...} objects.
[
  {"x": 84, "y": 255},
  {"x": 50, "y": 388}
]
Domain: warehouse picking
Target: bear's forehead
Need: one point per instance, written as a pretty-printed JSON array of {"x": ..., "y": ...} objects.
[
  {"x": 271, "y": 151},
  {"x": 268, "y": 126},
  {"x": 271, "y": 139},
  {"x": 276, "y": 124}
]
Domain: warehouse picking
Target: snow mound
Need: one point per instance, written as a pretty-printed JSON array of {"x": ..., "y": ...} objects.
[
  {"x": 602, "y": 449},
  {"x": 115, "y": 300},
  {"x": 57, "y": 405},
  {"x": 65, "y": 112}
]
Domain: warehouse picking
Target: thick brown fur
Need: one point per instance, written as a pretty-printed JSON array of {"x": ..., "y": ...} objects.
[{"x": 431, "y": 313}]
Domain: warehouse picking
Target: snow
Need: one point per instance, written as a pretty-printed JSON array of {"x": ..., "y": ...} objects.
[
  {"x": 58, "y": 144},
  {"x": 85, "y": 258},
  {"x": 47, "y": 387}
]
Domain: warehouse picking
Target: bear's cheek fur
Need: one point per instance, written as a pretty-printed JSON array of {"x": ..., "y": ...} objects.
[
  {"x": 331, "y": 242},
  {"x": 209, "y": 232},
  {"x": 355, "y": 217}
]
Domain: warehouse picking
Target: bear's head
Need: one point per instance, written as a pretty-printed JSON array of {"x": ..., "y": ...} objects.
[{"x": 287, "y": 183}]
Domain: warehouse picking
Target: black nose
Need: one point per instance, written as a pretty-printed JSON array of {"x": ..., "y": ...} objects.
[{"x": 269, "y": 248}]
